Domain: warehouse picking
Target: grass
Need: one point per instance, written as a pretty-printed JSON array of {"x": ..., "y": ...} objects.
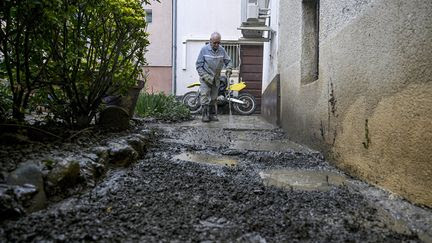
[{"x": 162, "y": 107}]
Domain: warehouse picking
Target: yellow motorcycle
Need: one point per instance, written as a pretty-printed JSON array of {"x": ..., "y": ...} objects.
[{"x": 242, "y": 102}]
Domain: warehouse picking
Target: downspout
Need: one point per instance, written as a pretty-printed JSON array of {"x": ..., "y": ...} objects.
[{"x": 174, "y": 47}]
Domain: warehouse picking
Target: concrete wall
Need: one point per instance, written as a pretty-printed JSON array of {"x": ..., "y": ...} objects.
[
  {"x": 197, "y": 19},
  {"x": 371, "y": 108},
  {"x": 159, "y": 54}
]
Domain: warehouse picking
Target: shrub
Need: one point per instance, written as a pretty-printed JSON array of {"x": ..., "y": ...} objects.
[
  {"x": 161, "y": 106},
  {"x": 71, "y": 53},
  {"x": 5, "y": 100},
  {"x": 98, "y": 50},
  {"x": 23, "y": 54}
]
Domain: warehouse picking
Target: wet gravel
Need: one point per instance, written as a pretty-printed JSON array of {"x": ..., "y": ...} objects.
[{"x": 164, "y": 199}]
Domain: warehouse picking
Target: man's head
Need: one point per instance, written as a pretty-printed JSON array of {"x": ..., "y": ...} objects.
[{"x": 215, "y": 40}]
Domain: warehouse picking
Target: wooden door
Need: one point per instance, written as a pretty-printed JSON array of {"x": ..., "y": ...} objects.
[{"x": 251, "y": 70}]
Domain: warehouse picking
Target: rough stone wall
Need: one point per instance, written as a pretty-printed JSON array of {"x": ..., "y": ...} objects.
[{"x": 371, "y": 108}]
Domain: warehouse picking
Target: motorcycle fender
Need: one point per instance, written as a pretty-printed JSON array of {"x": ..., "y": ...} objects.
[
  {"x": 238, "y": 86},
  {"x": 194, "y": 85},
  {"x": 236, "y": 101}
]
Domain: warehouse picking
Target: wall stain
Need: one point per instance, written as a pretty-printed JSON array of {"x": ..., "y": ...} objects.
[
  {"x": 332, "y": 100},
  {"x": 334, "y": 137},
  {"x": 332, "y": 112},
  {"x": 368, "y": 141},
  {"x": 322, "y": 130}
]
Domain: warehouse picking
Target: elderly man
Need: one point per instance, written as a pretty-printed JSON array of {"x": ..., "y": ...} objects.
[{"x": 212, "y": 58}]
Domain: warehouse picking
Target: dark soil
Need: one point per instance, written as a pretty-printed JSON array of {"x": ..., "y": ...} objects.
[
  {"x": 19, "y": 143},
  {"x": 164, "y": 199}
]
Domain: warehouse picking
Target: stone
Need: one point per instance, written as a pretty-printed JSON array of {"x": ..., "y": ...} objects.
[
  {"x": 30, "y": 173},
  {"x": 136, "y": 143},
  {"x": 102, "y": 153},
  {"x": 121, "y": 154},
  {"x": 90, "y": 171},
  {"x": 65, "y": 174}
]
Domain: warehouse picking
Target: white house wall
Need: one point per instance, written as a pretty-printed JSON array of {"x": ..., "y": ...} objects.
[
  {"x": 270, "y": 62},
  {"x": 196, "y": 20}
]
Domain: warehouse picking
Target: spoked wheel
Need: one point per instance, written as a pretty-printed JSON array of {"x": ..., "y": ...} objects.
[
  {"x": 249, "y": 105},
  {"x": 191, "y": 100}
]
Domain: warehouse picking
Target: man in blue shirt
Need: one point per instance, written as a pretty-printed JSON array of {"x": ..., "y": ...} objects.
[{"x": 211, "y": 59}]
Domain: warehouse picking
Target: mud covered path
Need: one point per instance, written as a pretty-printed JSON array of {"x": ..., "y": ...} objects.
[{"x": 226, "y": 181}]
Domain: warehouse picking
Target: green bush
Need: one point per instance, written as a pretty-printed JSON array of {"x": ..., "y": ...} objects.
[
  {"x": 161, "y": 106},
  {"x": 5, "y": 100},
  {"x": 68, "y": 55}
]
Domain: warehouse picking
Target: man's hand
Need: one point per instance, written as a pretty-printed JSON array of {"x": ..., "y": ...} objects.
[
  {"x": 228, "y": 73},
  {"x": 207, "y": 78}
]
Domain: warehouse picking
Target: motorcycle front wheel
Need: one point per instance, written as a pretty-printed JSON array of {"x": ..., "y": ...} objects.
[
  {"x": 249, "y": 105},
  {"x": 191, "y": 100}
]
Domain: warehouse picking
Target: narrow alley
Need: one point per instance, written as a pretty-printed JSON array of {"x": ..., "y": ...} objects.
[{"x": 236, "y": 180}]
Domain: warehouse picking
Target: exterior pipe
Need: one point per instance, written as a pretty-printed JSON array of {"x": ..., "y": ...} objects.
[{"x": 174, "y": 48}]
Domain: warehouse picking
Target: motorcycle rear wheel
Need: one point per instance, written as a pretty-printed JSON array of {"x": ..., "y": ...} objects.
[
  {"x": 250, "y": 104},
  {"x": 191, "y": 100}
]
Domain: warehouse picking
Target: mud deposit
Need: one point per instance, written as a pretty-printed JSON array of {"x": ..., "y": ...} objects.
[{"x": 169, "y": 196}]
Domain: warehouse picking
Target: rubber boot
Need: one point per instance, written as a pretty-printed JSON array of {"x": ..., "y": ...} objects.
[
  {"x": 205, "y": 114},
  {"x": 213, "y": 113}
]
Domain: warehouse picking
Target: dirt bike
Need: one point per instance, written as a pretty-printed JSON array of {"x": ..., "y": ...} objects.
[{"x": 242, "y": 102}]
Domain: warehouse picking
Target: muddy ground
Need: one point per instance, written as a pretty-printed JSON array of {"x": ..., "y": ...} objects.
[{"x": 168, "y": 197}]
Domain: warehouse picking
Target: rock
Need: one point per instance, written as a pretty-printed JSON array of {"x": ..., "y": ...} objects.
[
  {"x": 102, "y": 153},
  {"x": 90, "y": 171},
  {"x": 30, "y": 173},
  {"x": 65, "y": 174},
  {"x": 121, "y": 154},
  {"x": 137, "y": 143}
]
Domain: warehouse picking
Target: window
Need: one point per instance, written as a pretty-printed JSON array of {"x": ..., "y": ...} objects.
[
  {"x": 149, "y": 15},
  {"x": 310, "y": 42},
  {"x": 233, "y": 50}
]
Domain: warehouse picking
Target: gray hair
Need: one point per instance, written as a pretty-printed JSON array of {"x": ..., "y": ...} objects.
[{"x": 215, "y": 35}]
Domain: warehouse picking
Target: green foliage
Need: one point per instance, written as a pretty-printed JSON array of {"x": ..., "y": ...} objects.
[
  {"x": 23, "y": 49},
  {"x": 98, "y": 50},
  {"x": 5, "y": 100},
  {"x": 162, "y": 107},
  {"x": 68, "y": 55}
]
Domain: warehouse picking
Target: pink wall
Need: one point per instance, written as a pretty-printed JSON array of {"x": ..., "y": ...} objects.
[
  {"x": 159, "y": 54},
  {"x": 160, "y": 30},
  {"x": 159, "y": 79}
]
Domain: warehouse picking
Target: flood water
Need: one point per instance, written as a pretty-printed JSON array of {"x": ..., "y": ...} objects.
[
  {"x": 207, "y": 158},
  {"x": 308, "y": 180}
]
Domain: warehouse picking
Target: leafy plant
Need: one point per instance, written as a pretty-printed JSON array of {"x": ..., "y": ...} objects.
[
  {"x": 98, "y": 50},
  {"x": 71, "y": 53},
  {"x": 23, "y": 55},
  {"x": 5, "y": 100},
  {"x": 162, "y": 107}
]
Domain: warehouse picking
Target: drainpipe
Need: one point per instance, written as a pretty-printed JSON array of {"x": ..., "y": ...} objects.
[{"x": 174, "y": 47}]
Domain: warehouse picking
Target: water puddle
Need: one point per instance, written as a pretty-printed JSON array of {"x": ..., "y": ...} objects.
[
  {"x": 207, "y": 158},
  {"x": 308, "y": 180},
  {"x": 273, "y": 146}
]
